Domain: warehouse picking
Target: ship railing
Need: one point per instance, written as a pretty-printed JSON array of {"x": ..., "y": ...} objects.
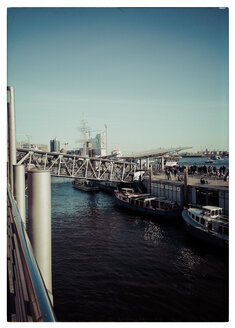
[{"x": 28, "y": 299}]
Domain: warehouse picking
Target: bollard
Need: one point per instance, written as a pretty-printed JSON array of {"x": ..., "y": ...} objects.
[
  {"x": 19, "y": 189},
  {"x": 11, "y": 135},
  {"x": 39, "y": 203}
]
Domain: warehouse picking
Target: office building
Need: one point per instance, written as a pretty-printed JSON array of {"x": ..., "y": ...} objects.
[
  {"x": 55, "y": 145},
  {"x": 99, "y": 144}
]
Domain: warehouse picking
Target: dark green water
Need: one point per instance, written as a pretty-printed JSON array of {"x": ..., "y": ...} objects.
[{"x": 113, "y": 265}]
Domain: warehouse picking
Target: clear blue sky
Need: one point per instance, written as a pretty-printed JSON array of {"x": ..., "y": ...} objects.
[{"x": 158, "y": 77}]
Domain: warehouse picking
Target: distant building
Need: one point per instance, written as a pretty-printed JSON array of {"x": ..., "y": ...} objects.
[
  {"x": 26, "y": 145},
  {"x": 74, "y": 152},
  {"x": 42, "y": 147},
  {"x": 99, "y": 144},
  {"x": 23, "y": 145},
  {"x": 55, "y": 145}
]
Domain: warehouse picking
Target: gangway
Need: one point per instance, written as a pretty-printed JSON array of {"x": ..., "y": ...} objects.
[{"x": 76, "y": 166}]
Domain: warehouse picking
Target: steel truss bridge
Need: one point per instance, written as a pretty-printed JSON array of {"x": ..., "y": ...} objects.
[{"x": 75, "y": 166}]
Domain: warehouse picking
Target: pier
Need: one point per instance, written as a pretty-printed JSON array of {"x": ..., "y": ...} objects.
[{"x": 214, "y": 192}]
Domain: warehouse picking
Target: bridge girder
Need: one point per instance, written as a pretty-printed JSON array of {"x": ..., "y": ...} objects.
[{"x": 74, "y": 166}]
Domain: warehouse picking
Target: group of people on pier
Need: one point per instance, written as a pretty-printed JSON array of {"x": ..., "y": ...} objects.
[{"x": 209, "y": 171}]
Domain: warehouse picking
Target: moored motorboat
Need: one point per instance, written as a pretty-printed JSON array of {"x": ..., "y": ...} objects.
[
  {"x": 85, "y": 185},
  {"x": 208, "y": 224},
  {"x": 216, "y": 158},
  {"x": 171, "y": 161},
  {"x": 146, "y": 203}
]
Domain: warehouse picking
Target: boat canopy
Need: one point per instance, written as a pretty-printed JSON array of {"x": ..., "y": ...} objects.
[
  {"x": 211, "y": 208},
  {"x": 139, "y": 196},
  {"x": 149, "y": 199}
]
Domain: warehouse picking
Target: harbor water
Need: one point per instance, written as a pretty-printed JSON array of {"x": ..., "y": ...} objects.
[{"x": 112, "y": 265}]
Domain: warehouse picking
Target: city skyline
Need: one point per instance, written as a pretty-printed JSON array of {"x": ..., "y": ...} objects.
[{"x": 158, "y": 77}]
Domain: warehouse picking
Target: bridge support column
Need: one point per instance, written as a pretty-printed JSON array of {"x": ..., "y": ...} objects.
[
  {"x": 19, "y": 189},
  {"x": 39, "y": 198},
  {"x": 11, "y": 135}
]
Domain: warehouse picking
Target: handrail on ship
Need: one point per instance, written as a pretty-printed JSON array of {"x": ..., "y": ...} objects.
[{"x": 41, "y": 305}]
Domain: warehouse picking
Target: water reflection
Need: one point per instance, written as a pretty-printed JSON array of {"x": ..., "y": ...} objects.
[
  {"x": 187, "y": 258},
  {"x": 153, "y": 232}
]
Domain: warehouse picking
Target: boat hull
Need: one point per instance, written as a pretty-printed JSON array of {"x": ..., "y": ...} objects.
[
  {"x": 157, "y": 213},
  {"x": 204, "y": 235},
  {"x": 85, "y": 188}
]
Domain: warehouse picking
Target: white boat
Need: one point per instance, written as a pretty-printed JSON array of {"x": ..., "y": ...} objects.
[
  {"x": 209, "y": 161},
  {"x": 208, "y": 224},
  {"x": 85, "y": 185},
  {"x": 170, "y": 161},
  {"x": 216, "y": 158}
]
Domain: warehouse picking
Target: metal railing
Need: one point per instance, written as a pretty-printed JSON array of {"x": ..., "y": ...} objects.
[{"x": 29, "y": 300}]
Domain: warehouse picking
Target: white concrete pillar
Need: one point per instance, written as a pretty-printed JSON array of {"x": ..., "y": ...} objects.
[
  {"x": 19, "y": 189},
  {"x": 39, "y": 202},
  {"x": 147, "y": 163},
  {"x": 162, "y": 163}
]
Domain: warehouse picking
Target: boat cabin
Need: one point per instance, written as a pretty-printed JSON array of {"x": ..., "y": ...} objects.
[
  {"x": 212, "y": 211},
  {"x": 152, "y": 202},
  {"x": 210, "y": 218}
]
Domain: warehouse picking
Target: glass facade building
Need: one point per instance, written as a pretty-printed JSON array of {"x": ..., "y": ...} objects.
[{"x": 55, "y": 145}]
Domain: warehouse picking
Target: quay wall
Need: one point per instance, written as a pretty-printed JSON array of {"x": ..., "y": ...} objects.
[
  {"x": 197, "y": 194},
  {"x": 172, "y": 190},
  {"x": 209, "y": 195}
]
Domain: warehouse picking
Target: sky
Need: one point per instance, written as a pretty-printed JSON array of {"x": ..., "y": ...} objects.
[{"x": 158, "y": 77}]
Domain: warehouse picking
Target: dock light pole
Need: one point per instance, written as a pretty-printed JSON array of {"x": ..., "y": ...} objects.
[
  {"x": 39, "y": 203},
  {"x": 19, "y": 189},
  {"x": 150, "y": 179},
  {"x": 11, "y": 134},
  {"x": 185, "y": 186}
]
